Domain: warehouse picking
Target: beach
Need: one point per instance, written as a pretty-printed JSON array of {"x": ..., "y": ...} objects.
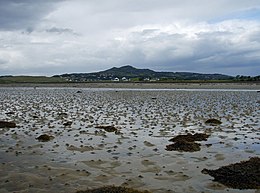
[
  {"x": 70, "y": 137},
  {"x": 144, "y": 85}
]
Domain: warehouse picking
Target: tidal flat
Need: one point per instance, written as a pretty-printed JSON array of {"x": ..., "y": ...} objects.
[{"x": 71, "y": 139}]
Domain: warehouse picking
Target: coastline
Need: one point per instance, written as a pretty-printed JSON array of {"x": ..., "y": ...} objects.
[
  {"x": 148, "y": 85},
  {"x": 66, "y": 141}
]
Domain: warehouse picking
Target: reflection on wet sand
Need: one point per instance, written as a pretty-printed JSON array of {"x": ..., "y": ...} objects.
[{"x": 65, "y": 140}]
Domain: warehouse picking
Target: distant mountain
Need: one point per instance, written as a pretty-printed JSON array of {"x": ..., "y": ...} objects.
[
  {"x": 131, "y": 73},
  {"x": 127, "y": 71}
]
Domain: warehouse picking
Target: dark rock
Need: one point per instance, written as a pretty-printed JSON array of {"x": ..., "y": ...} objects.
[
  {"x": 208, "y": 145},
  {"x": 243, "y": 175},
  {"x": 79, "y": 91},
  {"x": 190, "y": 138},
  {"x": 68, "y": 123},
  {"x": 10, "y": 113},
  {"x": 213, "y": 122},
  {"x": 108, "y": 128},
  {"x": 45, "y": 138},
  {"x": 6, "y": 124},
  {"x": 183, "y": 146},
  {"x": 61, "y": 115},
  {"x": 113, "y": 189}
]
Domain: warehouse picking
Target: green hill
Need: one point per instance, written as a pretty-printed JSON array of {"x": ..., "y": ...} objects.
[{"x": 131, "y": 73}]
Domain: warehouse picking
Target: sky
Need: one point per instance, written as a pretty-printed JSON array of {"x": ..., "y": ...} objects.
[{"x": 68, "y": 36}]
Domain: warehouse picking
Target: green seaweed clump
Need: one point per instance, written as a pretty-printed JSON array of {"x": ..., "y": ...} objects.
[
  {"x": 44, "y": 138},
  {"x": 6, "y": 124},
  {"x": 213, "y": 122},
  {"x": 243, "y": 175},
  {"x": 190, "y": 138},
  {"x": 183, "y": 146},
  {"x": 113, "y": 189},
  {"x": 108, "y": 128}
]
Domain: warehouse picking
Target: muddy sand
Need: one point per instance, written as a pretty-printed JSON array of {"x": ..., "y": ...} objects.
[
  {"x": 66, "y": 141},
  {"x": 145, "y": 85}
]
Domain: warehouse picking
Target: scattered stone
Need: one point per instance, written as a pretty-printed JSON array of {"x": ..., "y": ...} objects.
[
  {"x": 213, "y": 122},
  {"x": 81, "y": 148},
  {"x": 45, "y": 138},
  {"x": 108, "y": 128},
  {"x": 113, "y": 189},
  {"x": 190, "y": 138},
  {"x": 148, "y": 144},
  {"x": 68, "y": 123},
  {"x": 243, "y": 175},
  {"x": 62, "y": 114},
  {"x": 10, "y": 113},
  {"x": 208, "y": 145},
  {"x": 183, "y": 146},
  {"x": 6, "y": 124}
]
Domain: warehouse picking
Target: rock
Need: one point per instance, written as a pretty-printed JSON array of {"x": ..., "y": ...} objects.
[
  {"x": 187, "y": 142},
  {"x": 148, "y": 144},
  {"x": 190, "y": 138},
  {"x": 6, "y": 124},
  {"x": 243, "y": 175},
  {"x": 213, "y": 122},
  {"x": 68, "y": 123},
  {"x": 45, "y": 138},
  {"x": 62, "y": 115},
  {"x": 113, "y": 189},
  {"x": 81, "y": 148},
  {"x": 108, "y": 128},
  {"x": 183, "y": 146},
  {"x": 10, "y": 113},
  {"x": 79, "y": 91}
]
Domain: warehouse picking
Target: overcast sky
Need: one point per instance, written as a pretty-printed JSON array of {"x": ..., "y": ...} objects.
[{"x": 62, "y": 36}]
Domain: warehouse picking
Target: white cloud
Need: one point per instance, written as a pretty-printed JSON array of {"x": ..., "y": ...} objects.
[{"x": 84, "y": 36}]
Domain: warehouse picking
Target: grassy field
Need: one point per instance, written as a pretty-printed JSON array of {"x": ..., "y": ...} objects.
[
  {"x": 30, "y": 79},
  {"x": 48, "y": 80}
]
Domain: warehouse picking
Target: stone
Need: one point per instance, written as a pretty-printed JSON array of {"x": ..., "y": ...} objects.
[
  {"x": 183, "y": 146},
  {"x": 113, "y": 189},
  {"x": 6, "y": 124},
  {"x": 45, "y": 138},
  {"x": 68, "y": 123},
  {"x": 213, "y": 122},
  {"x": 108, "y": 128}
]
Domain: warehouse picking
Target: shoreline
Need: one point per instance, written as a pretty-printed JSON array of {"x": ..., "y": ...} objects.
[
  {"x": 71, "y": 139},
  {"x": 148, "y": 85}
]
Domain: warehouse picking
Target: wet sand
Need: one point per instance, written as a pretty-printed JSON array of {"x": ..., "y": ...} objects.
[
  {"x": 147, "y": 85},
  {"x": 82, "y": 154}
]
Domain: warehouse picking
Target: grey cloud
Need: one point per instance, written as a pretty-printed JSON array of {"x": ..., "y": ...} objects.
[
  {"x": 255, "y": 36},
  {"x": 21, "y": 14},
  {"x": 213, "y": 51},
  {"x": 59, "y": 30},
  {"x": 146, "y": 34},
  {"x": 3, "y": 61}
]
